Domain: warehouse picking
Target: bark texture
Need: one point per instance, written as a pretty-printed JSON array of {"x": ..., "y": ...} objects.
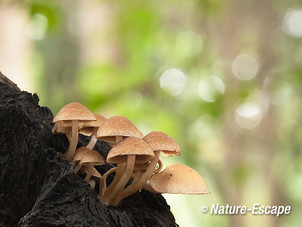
[{"x": 37, "y": 186}]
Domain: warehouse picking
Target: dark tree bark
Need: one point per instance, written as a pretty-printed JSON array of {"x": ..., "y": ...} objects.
[{"x": 37, "y": 186}]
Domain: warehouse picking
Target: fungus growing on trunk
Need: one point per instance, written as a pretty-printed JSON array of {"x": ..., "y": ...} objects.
[
  {"x": 91, "y": 158},
  {"x": 72, "y": 116},
  {"x": 159, "y": 142},
  {"x": 131, "y": 150},
  {"x": 113, "y": 130},
  {"x": 97, "y": 177},
  {"x": 80, "y": 152}
]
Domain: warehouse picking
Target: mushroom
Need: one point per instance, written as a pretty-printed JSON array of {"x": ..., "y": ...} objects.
[
  {"x": 113, "y": 130},
  {"x": 159, "y": 142},
  {"x": 71, "y": 115},
  {"x": 91, "y": 130},
  {"x": 131, "y": 150},
  {"x": 91, "y": 158},
  {"x": 80, "y": 152},
  {"x": 178, "y": 179},
  {"x": 94, "y": 174}
]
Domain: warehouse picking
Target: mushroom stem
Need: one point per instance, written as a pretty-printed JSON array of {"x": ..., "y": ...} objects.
[
  {"x": 77, "y": 168},
  {"x": 103, "y": 184},
  {"x": 74, "y": 140},
  {"x": 88, "y": 176},
  {"x": 124, "y": 179},
  {"x": 159, "y": 168},
  {"x": 136, "y": 178},
  {"x": 132, "y": 188},
  {"x": 93, "y": 139},
  {"x": 118, "y": 174}
]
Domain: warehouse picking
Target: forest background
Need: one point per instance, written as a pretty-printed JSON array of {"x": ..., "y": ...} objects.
[{"x": 224, "y": 78}]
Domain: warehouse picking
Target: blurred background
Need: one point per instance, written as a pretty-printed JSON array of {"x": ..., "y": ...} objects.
[{"x": 223, "y": 78}]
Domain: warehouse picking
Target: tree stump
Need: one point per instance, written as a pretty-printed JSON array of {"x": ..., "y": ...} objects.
[{"x": 38, "y": 187}]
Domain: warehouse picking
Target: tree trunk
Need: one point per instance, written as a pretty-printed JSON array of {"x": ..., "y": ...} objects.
[{"x": 38, "y": 187}]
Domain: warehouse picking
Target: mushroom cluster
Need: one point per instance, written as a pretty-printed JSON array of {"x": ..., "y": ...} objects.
[{"x": 137, "y": 157}]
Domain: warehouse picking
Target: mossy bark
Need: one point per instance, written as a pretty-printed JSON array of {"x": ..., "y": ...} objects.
[{"x": 37, "y": 186}]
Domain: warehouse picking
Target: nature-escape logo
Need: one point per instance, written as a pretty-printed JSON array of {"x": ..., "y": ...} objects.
[{"x": 257, "y": 209}]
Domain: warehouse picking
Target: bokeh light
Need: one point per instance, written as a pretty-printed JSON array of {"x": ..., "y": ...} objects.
[
  {"x": 292, "y": 22},
  {"x": 173, "y": 81},
  {"x": 245, "y": 67},
  {"x": 250, "y": 113}
]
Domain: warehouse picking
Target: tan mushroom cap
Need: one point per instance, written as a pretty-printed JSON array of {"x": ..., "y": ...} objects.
[
  {"x": 87, "y": 128},
  {"x": 179, "y": 179},
  {"x": 117, "y": 126},
  {"x": 160, "y": 141},
  {"x": 92, "y": 157},
  {"x": 95, "y": 173},
  {"x": 79, "y": 153},
  {"x": 74, "y": 111},
  {"x": 130, "y": 146}
]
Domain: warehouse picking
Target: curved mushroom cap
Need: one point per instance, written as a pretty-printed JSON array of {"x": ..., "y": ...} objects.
[
  {"x": 160, "y": 141},
  {"x": 92, "y": 157},
  {"x": 178, "y": 179},
  {"x": 74, "y": 111},
  {"x": 95, "y": 173},
  {"x": 79, "y": 153},
  {"x": 87, "y": 128},
  {"x": 129, "y": 146},
  {"x": 117, "y": 126}
]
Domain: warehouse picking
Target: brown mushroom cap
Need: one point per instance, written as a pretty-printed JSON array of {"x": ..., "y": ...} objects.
[
  {"x": 117, "y": 126},
  {"x": 80, "y": 152},
  {"x": 74, "y": 111},
  {"x": 178, "y": 179},
  {"x": 160, "y": 141},
  {"x": 87, "y": 128},
  {"x": 130, "y": 146},
  {"x": 92, "y": 157}
]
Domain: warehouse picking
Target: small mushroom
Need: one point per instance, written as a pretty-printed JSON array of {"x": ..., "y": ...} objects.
[
  {"x": 80, "y": 152},
  {"x": 70, "y": 115},
  {"x": 94, "y": 174},
  {"x": 91, "y": 158},
  {"x": 178, "y": 179},
  {"x": 130, "y": 151},
  {"x": 159, "y": 142}
]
